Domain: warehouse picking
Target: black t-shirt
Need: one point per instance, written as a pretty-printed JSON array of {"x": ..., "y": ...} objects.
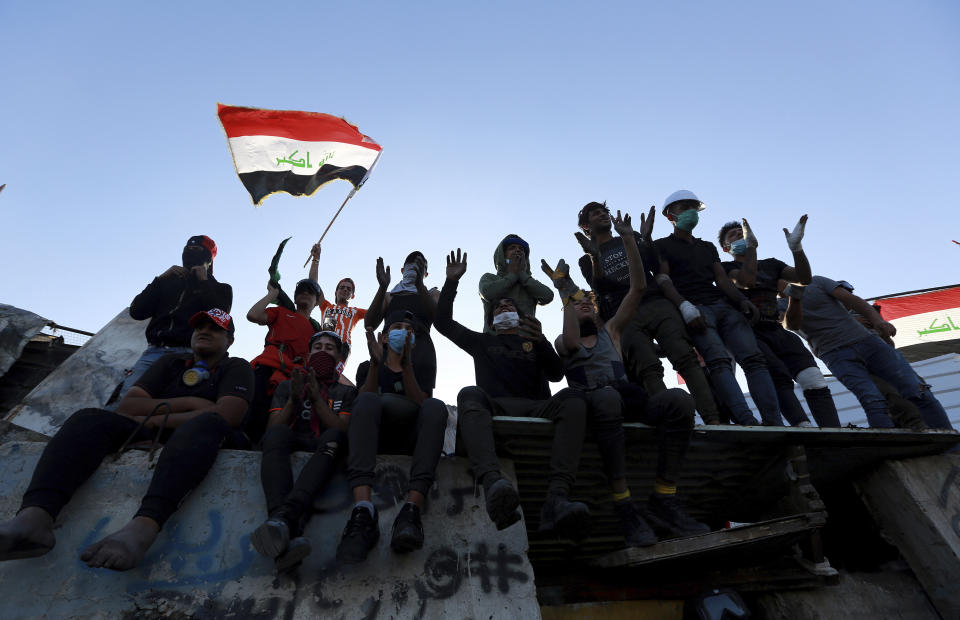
[
  {"x": 614, "y": 284},
  {"x": 340, "y": 399},
  {"x": 763, "y": 294},
  {"x": 504, "y": 364},
  {"x": 388, "y": 381},
  {"x": 231, "y": 376},
  {"x": 691, "y": 268}
]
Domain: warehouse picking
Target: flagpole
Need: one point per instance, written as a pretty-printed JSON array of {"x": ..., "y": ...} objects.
[{"x": 349, "y": 196}]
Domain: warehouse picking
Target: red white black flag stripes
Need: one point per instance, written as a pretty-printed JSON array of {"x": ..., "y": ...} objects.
[
  {"x": 927, "y": 322},
  {"x": 295, "y": 152}
]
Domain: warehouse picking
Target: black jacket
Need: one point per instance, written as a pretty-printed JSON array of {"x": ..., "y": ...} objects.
[{"x": 170, "y": 302}]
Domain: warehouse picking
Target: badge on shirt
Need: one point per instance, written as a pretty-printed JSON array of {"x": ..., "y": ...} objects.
[{"x": 527, "y": 346}]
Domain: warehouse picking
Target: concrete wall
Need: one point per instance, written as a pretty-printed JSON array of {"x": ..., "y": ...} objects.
[
  {"x": 203, "y": 565},
  {"x": 17, "y": 327}
]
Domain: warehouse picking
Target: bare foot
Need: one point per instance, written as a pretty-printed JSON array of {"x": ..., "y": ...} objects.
[
  {"x": 27, "y": 535},
  {"x": 125, "y": 548}
]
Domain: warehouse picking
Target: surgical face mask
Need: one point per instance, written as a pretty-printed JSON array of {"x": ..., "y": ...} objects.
[
  {"x": 738, "y": 247},
  {"x": 397, "y": 338},
  {"x": 505, "y": 321},
  {"x": 688, "y": 220}
]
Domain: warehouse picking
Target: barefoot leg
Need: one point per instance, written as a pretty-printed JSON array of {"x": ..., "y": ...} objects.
[
  {"x": 125, "y": 548},
  {"x": 27, "y": 535}
]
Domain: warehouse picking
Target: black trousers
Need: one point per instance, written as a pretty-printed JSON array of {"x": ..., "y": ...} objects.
[
  {"x": 567, "y": 409},
  {"x": 671, "y": 413},
  {"x": 276, "y": 474},
  {"x": 89, "y": 435},
  {"x": 393, "y": 424}
]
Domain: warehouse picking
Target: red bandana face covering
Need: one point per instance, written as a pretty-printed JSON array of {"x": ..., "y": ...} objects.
[{"x": 327, "y": 370}]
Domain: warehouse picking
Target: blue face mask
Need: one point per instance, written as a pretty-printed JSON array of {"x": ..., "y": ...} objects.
[
  {"x": 688, "y": 220},
  {"x": 397, "y": 338},
  {"x": 738, "y": 247}
]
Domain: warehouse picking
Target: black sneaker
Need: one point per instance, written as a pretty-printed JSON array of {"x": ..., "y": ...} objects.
[
  {"x": 666, "y": 513},
  {"x": 271, "y": 538},
  {"x": 359, "y": 537},
  {"x": 635, "y": 530},
  {"x": 407, "y": 529},
  {"x": 298, "y": 549},
  {"x": 568, "y": 520},
  {"x": 502, "y": 502}
]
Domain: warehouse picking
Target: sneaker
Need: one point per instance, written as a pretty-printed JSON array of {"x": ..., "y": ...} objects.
[
  {"x": 569, "y": 520},
  {"x": 298, "y": 549},
  {"x": 502, "y": 502},
  {"x": 359, "y": 537},
  {"x": 271, "y": 538},
  {"x": 665, "y": 513},
  {"x": 407, "y": 529},
  {"x": 635, "y": 530}
]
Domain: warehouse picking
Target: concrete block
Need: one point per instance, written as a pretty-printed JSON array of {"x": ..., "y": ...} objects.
[
  {"x": 17, "y": 327},
  {"x": 203, "y": 565},
  {"x": 85, "y": 379}
]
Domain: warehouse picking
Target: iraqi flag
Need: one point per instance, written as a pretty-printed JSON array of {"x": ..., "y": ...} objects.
[
  {"x": 295, "y": 152},
  {"x": 927, "y": 322}
]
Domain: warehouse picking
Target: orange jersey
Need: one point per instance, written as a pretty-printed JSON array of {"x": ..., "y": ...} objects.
[{"x": 345, "y": 317}]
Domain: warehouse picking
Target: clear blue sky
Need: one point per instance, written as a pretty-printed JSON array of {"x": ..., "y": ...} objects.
[{"x": 495, "y": 117}]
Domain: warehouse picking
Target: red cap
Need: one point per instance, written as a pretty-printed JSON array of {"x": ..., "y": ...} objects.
[
  {"x": 205, "y": 241},
  {"x": 216, "y": 315}
]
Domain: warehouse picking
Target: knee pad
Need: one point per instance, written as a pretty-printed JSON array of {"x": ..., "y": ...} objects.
[{"x": 811, "y": 379}]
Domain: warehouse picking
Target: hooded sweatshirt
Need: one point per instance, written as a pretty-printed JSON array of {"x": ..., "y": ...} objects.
[{"x": 526, "y": 292}]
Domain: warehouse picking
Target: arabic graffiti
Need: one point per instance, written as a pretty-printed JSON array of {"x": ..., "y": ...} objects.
[
  {"x": 936, "y": 329},
  {"x": 303, "y": 162}
]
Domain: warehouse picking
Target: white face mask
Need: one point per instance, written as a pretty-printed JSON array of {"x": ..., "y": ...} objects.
[{"x": 506, "y": 320}]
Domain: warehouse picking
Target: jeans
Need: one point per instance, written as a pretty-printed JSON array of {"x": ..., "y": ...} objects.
[
  {"x": 853, "y": 365},
  {"x": 89, "y": 435},
  {"x": 567, "y": 409},
  {"x": 728, "y": 328},
  {"x": 276, "y": 474},
  {"x": 658, "y": 318},
  {"x": 394, "y": 424},
  {"x": 152, "y": 354}
]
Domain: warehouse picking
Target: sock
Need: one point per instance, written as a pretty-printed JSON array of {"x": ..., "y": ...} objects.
[
  {"x": 621, "y": 497},
  {"x": 488, "y": 479},
  {"x": 662, "y": 487},
  {"x": 367, "y": 505}
]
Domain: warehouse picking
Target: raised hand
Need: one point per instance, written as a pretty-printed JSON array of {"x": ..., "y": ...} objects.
[
  {"x": 622, "y": 224},
  {"x": 530, "y": 328},
  {"x": 796, "y": 236},
  {"x": 374, "y": 348},
  {"x": 315, "y": 251},
  {"x": 748, "y": 236},
  {"x": 456, "y": 265},
  {"x": 589, "y": 247},
  {"x": 383, "y": 273},
  {"x": 646, "y": 224},
  {"x": 174, "y": 271},
  {"x": 296, "y": 383}
]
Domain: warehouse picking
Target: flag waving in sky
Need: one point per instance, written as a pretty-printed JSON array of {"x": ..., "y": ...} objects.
[{"x": 295, "y": 152}]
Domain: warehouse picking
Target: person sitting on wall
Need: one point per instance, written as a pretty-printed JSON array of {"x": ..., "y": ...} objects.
[
  {"x": 309, "y": 413},
  {"x": 590, "y": 351},
  {"x": 192, "y": 403},
  {"x": 513, "y": 366},
  {"x": 171, "y": 299},
  {"x": 392, "y": 414},
  {"x": 286, "y": 346}
]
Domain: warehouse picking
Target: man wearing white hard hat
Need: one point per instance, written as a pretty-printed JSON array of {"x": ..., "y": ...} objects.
[{"x": 715, "y": 312}]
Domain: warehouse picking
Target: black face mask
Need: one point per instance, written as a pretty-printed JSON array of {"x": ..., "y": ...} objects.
[{"x": 194, "y": 256}]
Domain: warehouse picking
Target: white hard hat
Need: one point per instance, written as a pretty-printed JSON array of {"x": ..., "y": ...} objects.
[{"x": 677, "y": 196}]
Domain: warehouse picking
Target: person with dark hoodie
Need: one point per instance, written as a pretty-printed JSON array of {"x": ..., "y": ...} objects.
[
  {"x": 172, "y": 298},
  {"x": 513, "y": 367},
  {"x": 590, "y": 351},
  {"x": 310, "y": 413},
  {"x": 513, "y": 280}
]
